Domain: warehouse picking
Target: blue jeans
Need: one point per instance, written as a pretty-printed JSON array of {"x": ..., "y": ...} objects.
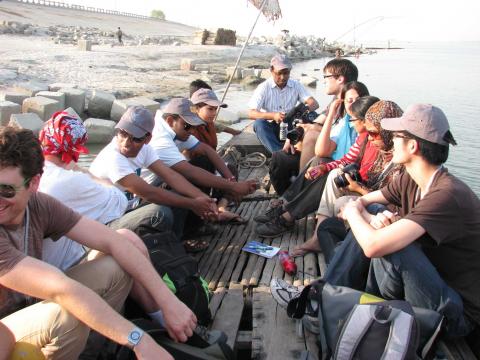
[
  {"x": 268, "y": 134},
  {"x": 406, "y": 274}
]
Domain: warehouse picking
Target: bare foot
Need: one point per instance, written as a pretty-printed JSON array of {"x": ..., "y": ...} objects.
[
  {"x": 230, "y": 217},
  {"x": 311, "y": 245}
]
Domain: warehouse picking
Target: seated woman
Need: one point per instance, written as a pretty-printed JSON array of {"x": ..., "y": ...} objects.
[{"x": 374, "y": 163}]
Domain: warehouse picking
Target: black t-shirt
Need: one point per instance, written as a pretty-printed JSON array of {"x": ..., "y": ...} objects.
[{"x": 450, "y": 215}]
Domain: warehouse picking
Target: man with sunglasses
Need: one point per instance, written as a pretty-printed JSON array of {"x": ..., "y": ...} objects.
[
  {"x": 122, "y": 161},
  {"x": 87, "y": 295}
]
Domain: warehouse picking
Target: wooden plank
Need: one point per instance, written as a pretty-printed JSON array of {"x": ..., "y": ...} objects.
[
  {"x": 216, "y": 300},
  {"x": 300, "y": 239},
  {"x": 257, "y": 271},
  {"x": 244, "y": 339},
  {"x": 270, "y": 265},
  {"x": 456, "y": 350},
  {"x": 273, "y": 333},
  {"x": 230, "y": 313},
  {"x": 310, "y": 259}
]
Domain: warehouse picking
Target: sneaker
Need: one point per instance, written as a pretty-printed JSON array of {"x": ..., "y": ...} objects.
[
  {"x": 274, "y": 228},
  {"x": 270, "y": 214},
  {"x": 283, "y": 292}
]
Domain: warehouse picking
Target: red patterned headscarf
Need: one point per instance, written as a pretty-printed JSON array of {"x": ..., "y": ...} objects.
[{"x": 65, "y": 135}]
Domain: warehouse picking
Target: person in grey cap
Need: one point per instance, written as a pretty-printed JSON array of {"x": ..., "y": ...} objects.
[
  {"x": 128, "y": 153},
  {"x": 274, "y": 98},
  {"x": 428, "y": 252}
]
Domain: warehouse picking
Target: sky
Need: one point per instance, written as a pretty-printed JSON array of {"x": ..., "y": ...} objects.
[{"x": 345, "y": 21}]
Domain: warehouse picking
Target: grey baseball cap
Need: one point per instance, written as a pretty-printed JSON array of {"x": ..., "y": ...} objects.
[
  {"x": 280, "y": 62},
  {"x": 425, "y": 121},
  {"x": 137, "y": 121},
  {"x": 206, "y": 96},
  {"x": 182, "y": 107}
]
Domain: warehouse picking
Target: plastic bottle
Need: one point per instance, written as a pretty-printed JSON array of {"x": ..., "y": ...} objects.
[
  {"x": 283, "y": 131},
  {"x": 287, "y": 262}
]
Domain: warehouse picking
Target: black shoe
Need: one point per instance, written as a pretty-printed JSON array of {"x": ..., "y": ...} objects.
[
  {"x": 273, "y": 228},
  {"x": 270, "y": 214}
]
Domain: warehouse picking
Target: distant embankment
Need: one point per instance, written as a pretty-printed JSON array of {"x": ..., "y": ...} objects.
[{"x": 51, "y": 13}]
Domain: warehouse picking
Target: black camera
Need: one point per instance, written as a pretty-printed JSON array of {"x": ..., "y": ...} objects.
[
  {"x": 299, "y": 114},
  {"x": 352, "y": 170},
  {"x": 295, "y": 135}
]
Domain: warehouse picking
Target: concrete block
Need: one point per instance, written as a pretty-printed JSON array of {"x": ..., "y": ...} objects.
[
  {"x": 27, "y": 121},
  {"x": 55, "y": 95},
  {"x": 74, "y": 98},
  {"x": 58, "y": 86},
  {"x": 17, "y": 98},
  {"x": 30, "y": 89},
  {"x": 120, "y": 106},
  {"x": 42, "y": 106},
  {"x": 258, "y": 72},
  {"x": 7, "y": 108},
  {"x": 99, "y": 131},
  {"x": 85, "y": 45},
  {"x": 308, "y": 81},
  {"x": 227, "y": 117},
  {"x": 202, "y": 67},
  {"x": 265, "y": 73},
  {"x": 188, "y": 64},
  {"x": 247, "y": 73},
  {"x": 73, "y": 113},
  {"x": 100, "y": 104},
  {"x": 236, "y": 76}
]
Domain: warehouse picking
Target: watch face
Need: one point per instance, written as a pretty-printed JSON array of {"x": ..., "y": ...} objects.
[{"x": 135, "y": 335}]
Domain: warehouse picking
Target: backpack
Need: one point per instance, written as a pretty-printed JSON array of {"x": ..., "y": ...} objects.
[
  {"x": 179, "y": 271},
  {"x": 351, "y": 324}
]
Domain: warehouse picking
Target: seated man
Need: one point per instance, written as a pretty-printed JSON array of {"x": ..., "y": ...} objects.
[
  {"x": 273, "y": 99},
  {"x": 60, "y": 325},
  {"x": 428, "y": 255},
  {"x": 128, "y": 153},
  {"x": 171, "y": 136}
]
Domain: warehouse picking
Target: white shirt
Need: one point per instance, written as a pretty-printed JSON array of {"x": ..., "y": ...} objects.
[
  {"x": 167, "y": 148},
  {"x": 111, "y": 164},
  {"x": 89, "y": 198},
  {"x": 270, "y": 98}
]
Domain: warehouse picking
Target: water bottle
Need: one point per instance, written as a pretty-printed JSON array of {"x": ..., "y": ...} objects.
[
  {"x": 287, "y": 262},
  {"x": 283, "y": 131}
]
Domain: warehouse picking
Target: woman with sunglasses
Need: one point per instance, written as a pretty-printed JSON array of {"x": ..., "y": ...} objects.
[{"x": 374, "y": 164}]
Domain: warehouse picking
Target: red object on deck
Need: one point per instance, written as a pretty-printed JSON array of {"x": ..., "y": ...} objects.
[{"x": 287, "y": 262}]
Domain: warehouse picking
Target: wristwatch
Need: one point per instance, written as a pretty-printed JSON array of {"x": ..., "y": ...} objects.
[{"x": 134, "y": 337}]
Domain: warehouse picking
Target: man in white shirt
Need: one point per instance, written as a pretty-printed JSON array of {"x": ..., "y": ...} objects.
[
  {"x": 122, "y": 160},
  {"x": 273, "y": 99}
]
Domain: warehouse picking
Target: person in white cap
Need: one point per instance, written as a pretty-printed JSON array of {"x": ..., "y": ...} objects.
[{"x": 274, "y": 98}]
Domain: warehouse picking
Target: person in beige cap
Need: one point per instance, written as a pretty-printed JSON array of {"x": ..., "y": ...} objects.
[{"x": 428, "y": 252}]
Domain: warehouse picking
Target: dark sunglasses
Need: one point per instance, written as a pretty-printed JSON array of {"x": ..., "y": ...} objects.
[
  {"x": 374, "y": 135},
  {"x": 355, "y": 119},
  {"x": 187, "y": 126},
  {"x": 8, "y": 191},
  {"x": 134, "y": 139}
]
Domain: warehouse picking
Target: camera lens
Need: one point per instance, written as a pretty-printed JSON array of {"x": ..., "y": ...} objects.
[{"x": 341, "y": 181}]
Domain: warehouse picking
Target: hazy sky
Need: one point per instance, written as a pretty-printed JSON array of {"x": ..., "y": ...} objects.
[{"x": 382, "y": 19}]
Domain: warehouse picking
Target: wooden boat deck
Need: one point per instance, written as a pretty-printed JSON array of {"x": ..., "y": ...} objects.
[{"x": 242, "y": 305}]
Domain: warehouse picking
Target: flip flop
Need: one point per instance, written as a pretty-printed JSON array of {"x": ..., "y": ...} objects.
[{"x": 195, "y": 246}]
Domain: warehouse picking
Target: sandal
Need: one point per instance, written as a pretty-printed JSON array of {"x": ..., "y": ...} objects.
[{"x": 195, "y": 246}]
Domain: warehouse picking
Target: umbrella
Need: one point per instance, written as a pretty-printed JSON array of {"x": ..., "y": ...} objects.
[{"x": 271, "y": 10}]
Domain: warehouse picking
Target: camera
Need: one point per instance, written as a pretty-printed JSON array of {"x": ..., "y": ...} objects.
[
  {"x": 295, "y": 135},
  {"x": 299, "y": 113},
  {"x": 352, "y": 170}
]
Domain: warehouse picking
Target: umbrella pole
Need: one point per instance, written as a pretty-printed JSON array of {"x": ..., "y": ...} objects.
[{"x": 240, "y": 56}]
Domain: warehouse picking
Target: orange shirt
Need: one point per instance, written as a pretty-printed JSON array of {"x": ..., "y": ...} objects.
[{"x": 206, "y": 134}]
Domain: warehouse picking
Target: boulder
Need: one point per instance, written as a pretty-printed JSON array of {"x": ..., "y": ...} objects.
[
  {"x": 29, "y": 121},
  {"x": 227, "y": 117},
  {"x": 7, "y": 108},
  {"x": 55, "y": 95},
  {"x": 99, "y": 131},
  {"x": 42, "y": 106},
  {"x": 308, "y": 81},
  {"x": 100, "y": 104},
  {"x": 17, "y": 98},
  {"x": 120, "y": 106},
  {"x": 74, "y": 98}
]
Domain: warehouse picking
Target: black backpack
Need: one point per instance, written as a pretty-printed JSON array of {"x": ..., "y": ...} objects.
[{"x": 179, "y": 272}]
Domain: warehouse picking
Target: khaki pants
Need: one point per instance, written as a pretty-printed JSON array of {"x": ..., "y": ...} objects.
[
  {"x": 55, "y": 331},
  {"x": 329, "y": 204}
]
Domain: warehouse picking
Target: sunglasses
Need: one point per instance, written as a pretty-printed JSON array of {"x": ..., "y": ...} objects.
[
  {"x": 187, "y": 126},
  {"x": 374, "y": 135},
  {"x": 355, "y": 119},
  {"x": 125, "y": 135},
  {"x": 8, "y": 191}
]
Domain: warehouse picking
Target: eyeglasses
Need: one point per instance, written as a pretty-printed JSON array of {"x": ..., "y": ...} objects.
[
  {"x": 400, "y": 136},
  {"x": 374, "y": 135},
  {"x": 9, "y": 191},
  {"x": 187, "y": 126},
  {"x": 327, "y": 76},
  {"x": 125, "y": 135},
  {"x": 354, "y": 119},
  {"x": 350, "y": 100}
]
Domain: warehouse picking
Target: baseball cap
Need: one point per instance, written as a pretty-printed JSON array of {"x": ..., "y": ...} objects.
[
  {"x": 425, "y": 121},
  {"x": 137, "y": 121},
  {"x": 181, "y": 107},
  {"x": 206, "y": 96},
  {"x": 280, "y": 62}
]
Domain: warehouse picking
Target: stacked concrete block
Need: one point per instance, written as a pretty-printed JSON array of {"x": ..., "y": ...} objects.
[
  {"x": 227, "y": 117},
  {"x": 58, "y": 86},
  {"x": 15, "y": 97},
  {"x": 74, "y": 98},
  {"x": 29, "y": 121},
  {"x": 55, "y": 95},
  {"x": 120, "y": 106},
  {"x": 42, "y": 106},
  {"x": 247, "y": 73},
  {"x": 30, "y": 89},
  {"x": 237, "y": 75},
  {"x": 100, "y": 104},
  {"x": 265, "y": 73},
  {"x": 85, "y": 45},
  {"x": 7, "y": 108},
  {"x": 99, "y": 131},
  {"x": 73, "y": 113}
]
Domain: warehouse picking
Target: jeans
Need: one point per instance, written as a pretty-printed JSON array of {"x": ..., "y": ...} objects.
[
  {"x": 268, "y": 134},
  {"x": 406, "y": 274},
  {"x": 282, "y": 167}
]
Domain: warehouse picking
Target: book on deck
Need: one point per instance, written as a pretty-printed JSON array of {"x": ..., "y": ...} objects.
[{"x": 261, "y": 249}]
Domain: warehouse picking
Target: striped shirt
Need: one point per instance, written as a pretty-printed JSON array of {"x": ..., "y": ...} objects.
[{"x": 270, "y": 98}]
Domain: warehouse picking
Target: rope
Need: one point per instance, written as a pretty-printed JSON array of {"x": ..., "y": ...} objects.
[{"x": 253, "y": 160}]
